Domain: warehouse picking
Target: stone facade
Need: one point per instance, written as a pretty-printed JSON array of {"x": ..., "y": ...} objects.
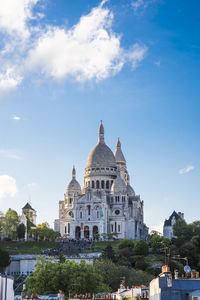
[{"x": 107, "y": 203}]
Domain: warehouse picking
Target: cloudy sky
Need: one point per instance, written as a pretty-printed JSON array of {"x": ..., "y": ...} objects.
[{"x": 66, "y": 65}]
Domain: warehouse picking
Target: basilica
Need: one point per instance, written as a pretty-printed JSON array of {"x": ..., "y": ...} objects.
[{"x": 107, "y": 204}]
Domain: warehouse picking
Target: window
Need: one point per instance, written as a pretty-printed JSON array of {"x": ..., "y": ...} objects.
[
  {"x": 97, "y": 214},
  {"x": 89, "y": 210},
  {"x": 118, "y": 228},
  {"x": 81, "y": 214},
  {"x": 117, "y": 198},
  {"x": 117, "y": 212},
  {"x": 97, "y": 184},
  {"x": 107, "y": 184},
  {"x": 70, "y": 200},
  {"x": 70, "y": 213},
  {"x": 93, "y": 184},
  {"x": 102, "y": 184},
  {"x": 111, "y": 227},
  {"x": 115, "y": 226},
  {"x": 68, "y": 227},
  {"x": 65, "y": 229}
]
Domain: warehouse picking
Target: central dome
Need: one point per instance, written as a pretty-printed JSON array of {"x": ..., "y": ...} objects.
[{"x": 101, "y": 156}]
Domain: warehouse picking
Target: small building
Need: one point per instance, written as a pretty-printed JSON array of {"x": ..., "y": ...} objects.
[
  {"x": 168, "y": 224},
  {"x": 27, "y": 210},
  {"x": 6, "y": 287},
  {"x": 164, "y": 287},
  {"x": 131, "y": 293}
]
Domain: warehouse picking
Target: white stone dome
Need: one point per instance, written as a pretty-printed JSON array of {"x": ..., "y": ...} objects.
[
  {"x": 73, "y": 186},
  {"x": 101, "y": 156},
  {"x": 119, "y": 186},
  {"x": 130, "y": 190}
]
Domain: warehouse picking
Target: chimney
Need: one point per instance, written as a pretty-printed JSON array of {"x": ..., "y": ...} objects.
[
  {"x": 165, "y": 269},
  {"x": 175, "y": 274},
  {"x": 181, "y": 215}
]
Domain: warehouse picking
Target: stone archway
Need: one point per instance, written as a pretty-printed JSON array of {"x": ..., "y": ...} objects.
[
  {"x": 78, "y": 232},
  {"x": 86, "y": 232},
  {"x": 95, "y": 231}
]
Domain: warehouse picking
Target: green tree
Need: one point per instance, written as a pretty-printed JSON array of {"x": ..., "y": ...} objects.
[
  {"x": 45, "y": 233},
  {"x": 157, "y": 243},
  {"x": 113, "y": 273},
  {"x": 180, "y": 229},
  {"x": 141, "y": 248},
  {"x": 4, "y": 260},
  {"x": 71, "y": 277},
  {"x": 10, "y": 223},
  {"x": 108, "y": 253}
]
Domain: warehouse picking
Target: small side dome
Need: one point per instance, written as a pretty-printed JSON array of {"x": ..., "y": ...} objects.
[
  {"x": 73, "y": 186},
  {"x": 119, "y": 186},
  {"x": 130, "y": 191}
]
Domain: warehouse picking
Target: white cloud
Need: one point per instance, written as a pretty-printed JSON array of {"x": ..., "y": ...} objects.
[
  {"x": 9, "y": 154},
  {"x": 89, "y": 50},
  {"x": 8, "y": 186},
  {"x": 14, "y": 16},
  {"x": 187, "y": 169},
  {"x": 16, "y": 118},
  {"x": 9, "y": 80},
  {"x": 136, "y": 54},
  {"x": 141, "y": 5}
]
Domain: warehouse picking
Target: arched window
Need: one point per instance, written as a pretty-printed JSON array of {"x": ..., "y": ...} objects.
[
  {"x": 81, "y": 214},
  {"x": 97, "y": 184},
  {"x": 107, "y": 184},
  {"x": 102, "y": 184},
  {"x": 89, "y": 210},
  {"x": 93, "y": 184}
]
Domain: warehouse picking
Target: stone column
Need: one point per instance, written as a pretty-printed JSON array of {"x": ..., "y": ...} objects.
[{"x": 91, "y": 231}]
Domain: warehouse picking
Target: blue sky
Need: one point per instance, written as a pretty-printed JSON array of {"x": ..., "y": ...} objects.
[{"x": 66, "y": 65}]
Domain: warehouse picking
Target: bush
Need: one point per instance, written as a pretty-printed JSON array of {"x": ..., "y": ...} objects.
[
  {"x": 141, "y": 248},
  {"x": 4, "y": 260},
  {"x": 126, "y": 243}
]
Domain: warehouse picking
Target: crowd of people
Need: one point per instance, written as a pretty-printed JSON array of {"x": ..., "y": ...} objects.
[{"x": 72, "y": 246}]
